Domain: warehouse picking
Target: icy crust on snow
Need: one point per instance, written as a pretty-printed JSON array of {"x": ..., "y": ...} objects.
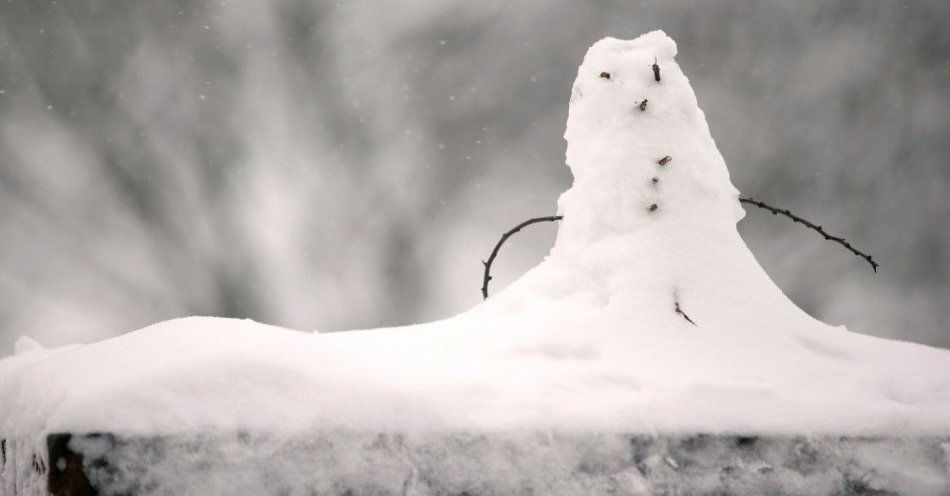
[{"x": 587, "y": 341}]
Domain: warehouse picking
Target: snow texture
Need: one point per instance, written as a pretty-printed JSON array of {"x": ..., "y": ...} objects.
[{"x": 590, "y": 340}]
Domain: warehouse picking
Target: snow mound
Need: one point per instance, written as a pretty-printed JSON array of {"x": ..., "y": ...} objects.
[{"x": 649, "y": 316}]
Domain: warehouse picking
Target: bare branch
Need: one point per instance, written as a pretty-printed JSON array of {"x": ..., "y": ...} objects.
[
  {"x": 504, "y": 237},
  {"x": 841, "y": 241},
  {"x": 680, "y": 311}
]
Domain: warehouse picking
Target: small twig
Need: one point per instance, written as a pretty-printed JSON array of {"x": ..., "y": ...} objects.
[
  {"x": 841, "y": 241},
  {"x": 665, "y": 160},
  {"x": 656, "y": 70},
  {"x": 676, "y": 307},
  {"x": 504, "y": 237}
]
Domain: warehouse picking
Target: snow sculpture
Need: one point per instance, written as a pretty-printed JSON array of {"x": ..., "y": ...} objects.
[{"x": 650, "y": 325}]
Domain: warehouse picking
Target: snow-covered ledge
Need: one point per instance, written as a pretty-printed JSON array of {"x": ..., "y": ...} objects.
[{"x": 649, "y": 353}]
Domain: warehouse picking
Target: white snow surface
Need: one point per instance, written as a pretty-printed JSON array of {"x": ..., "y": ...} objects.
[{"x": 586, "y": 341}]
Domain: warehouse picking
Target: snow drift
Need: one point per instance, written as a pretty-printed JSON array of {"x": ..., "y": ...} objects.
[{"x": 649, "y": 316}]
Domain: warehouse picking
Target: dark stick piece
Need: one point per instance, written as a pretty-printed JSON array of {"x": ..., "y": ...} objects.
[
  {"x": 504, "y": 237},
  {"x": 836, "y": 239},
  {"x": 656, "y": 70},
  {"x": 681, "y": 312}
]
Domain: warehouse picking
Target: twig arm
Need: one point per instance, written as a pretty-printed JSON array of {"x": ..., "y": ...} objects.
[
  {"x": 504, "y": 237},
  {"x": 837, "y": 239}
]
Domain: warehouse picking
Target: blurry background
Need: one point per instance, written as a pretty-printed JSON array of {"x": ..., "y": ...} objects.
[{"x": 324, "y": 165}]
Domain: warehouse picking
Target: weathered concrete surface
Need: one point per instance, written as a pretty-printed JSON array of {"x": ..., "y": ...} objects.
[{"x": 538, "y": 463}]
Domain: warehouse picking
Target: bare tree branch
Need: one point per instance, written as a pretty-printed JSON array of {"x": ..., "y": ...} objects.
[
  {"x": 504, "y": 237},
  {"x": 841, "y": 241}
]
